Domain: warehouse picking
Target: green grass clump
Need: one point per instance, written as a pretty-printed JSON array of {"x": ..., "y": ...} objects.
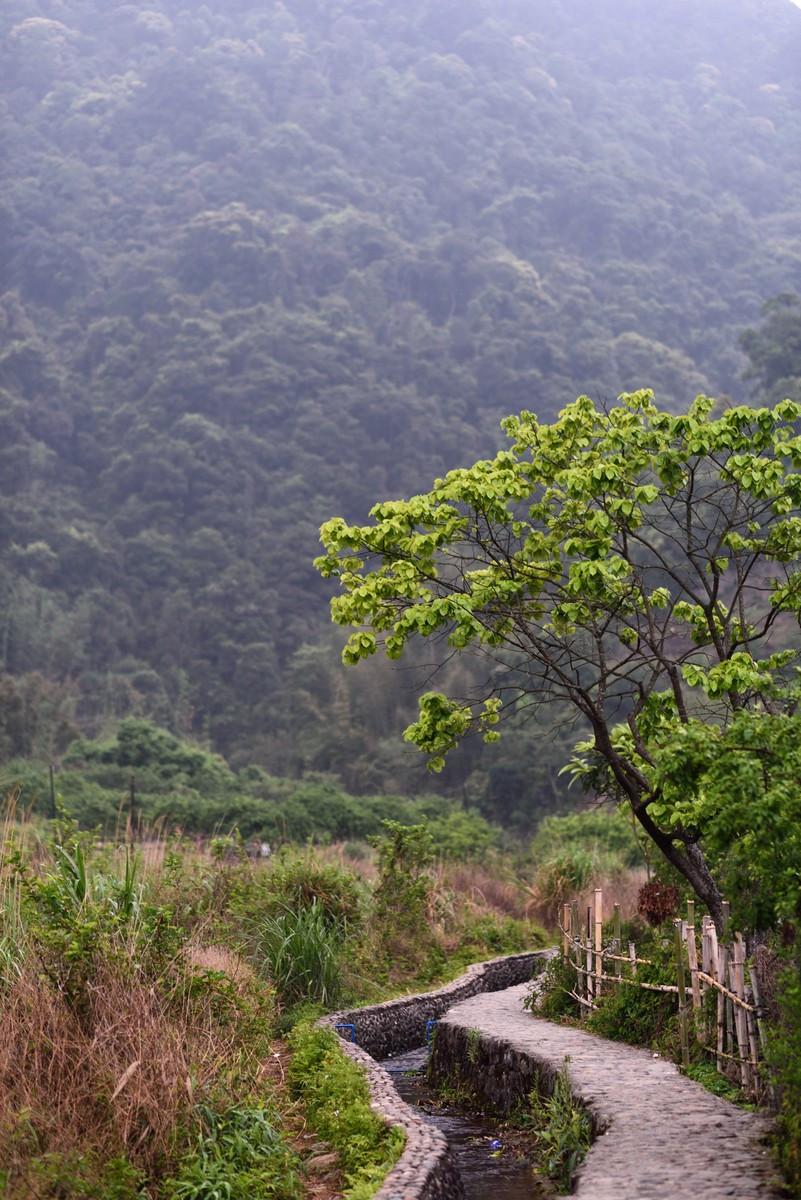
[
  {"x": 239, "y": 1155},
  {"x": 336, "y": 1097},
  {"x": 707, "y": 1074},
  {"x": 299, "y": 952},
  {"x": 785, "y": 1062},
  {"x": 562, "y": 1129}
]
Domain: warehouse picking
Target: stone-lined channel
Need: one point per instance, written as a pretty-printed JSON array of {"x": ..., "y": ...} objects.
[{"x": 486, "y": 1172}]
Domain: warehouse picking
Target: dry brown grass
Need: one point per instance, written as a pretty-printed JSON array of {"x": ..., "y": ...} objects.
[
  {"x": 620, "y": 887},
  {"x": 118, "y": 1077},
  {"x": 484, "y": 889}
]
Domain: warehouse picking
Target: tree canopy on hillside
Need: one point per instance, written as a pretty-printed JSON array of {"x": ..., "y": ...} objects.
[
  {"x": 641, "y": 567},
  {"x": 265, "y": 262}
]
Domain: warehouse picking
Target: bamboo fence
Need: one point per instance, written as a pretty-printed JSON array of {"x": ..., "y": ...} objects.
[{"x": 729, "y": 1027}]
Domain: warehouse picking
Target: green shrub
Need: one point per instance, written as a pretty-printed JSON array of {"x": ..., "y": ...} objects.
[
  {"x": 606, "y": 833},
  {"x": 300, "y": 880},
  {"x": 336, "y": 1097},
  {"x": 785, "y": 1062},
  {"x": 239, "y": 1155},
  {"x": 636, "y": 1015},
  {"x": 551, "y": 995},
  {"x": 298, "y": 950},
  {"x": 463, "y": 835},
  {"x": 562, "y": 1129}
]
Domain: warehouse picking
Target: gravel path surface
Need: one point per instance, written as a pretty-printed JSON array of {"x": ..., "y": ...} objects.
[{"x": 664, "y": 1136}]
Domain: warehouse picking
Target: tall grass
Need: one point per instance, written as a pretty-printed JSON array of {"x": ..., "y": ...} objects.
[
  {"x": 299, "y": 952},
  {"x": 112, "y": 1028}
]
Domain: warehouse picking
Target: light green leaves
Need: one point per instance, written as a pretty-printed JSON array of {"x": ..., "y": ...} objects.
[{"x": 607, "y": 548}]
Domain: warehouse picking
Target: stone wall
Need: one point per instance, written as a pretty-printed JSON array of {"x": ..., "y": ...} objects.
[
  {"x": 426, "y": 1169},
  {"x": 397, "y": 1025}
]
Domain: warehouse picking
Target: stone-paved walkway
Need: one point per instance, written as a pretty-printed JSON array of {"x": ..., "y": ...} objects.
[{"x": 665, "y": 1137}]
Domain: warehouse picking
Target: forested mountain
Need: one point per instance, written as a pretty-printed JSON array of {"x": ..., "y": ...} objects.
[{"x": 264, "y": 261}]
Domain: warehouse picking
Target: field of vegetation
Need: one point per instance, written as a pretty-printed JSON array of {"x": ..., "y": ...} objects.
[
  {"x": 160, "y": 988},
  {"x": 159, "y": 995}
]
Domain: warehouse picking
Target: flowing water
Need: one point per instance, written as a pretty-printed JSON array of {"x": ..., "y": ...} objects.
[{"x": 489, "y": 1169}]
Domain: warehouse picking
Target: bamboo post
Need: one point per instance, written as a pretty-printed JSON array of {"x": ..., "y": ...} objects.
[
  {"x": 633, "y": 959},
  {"x": 588, "y": 975},
  {"x": 740, "y": 1024},
  {"x": 732, "y": 1041},
  {"x": 576, "y": 931},
  {"x": 692, "y": 954},
  {"x": 706, "y": 957},
  {"x": 754, "y": 981},
  {"x": 565, "y": 933},
  {"x": 723, "y": 964},
  {"x": 685, "y": 1042},
  {"x": 714, "y": 952},
  {"x": 618, "y": 942},
  {"x": 752, "y": 975},
  {"x": 599, "y": 924},
  {"x": 750, "y": 1024}
]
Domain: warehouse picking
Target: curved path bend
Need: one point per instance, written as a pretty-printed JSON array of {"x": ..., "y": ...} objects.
[{"x": 660, "y": 1136}]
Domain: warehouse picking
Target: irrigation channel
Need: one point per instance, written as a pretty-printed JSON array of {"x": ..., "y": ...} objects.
[{"x": 488, "y": 1167}]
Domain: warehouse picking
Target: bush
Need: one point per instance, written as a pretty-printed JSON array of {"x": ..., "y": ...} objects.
[
  {"x": 606, "y": 833},
  {"x": 637, "y": 1015},
  {"x": 551, "y": 996},
  {"x": 336, "y": 1097},
  {"x": 785, "y": 1062},
  {"x": 298, "y": 950},
  {"x": 562, "y": 1129},
  {"x": 239, "y": 1155}
]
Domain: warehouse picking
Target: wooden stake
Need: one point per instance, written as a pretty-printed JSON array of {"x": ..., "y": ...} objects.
[
  {"x": 723, "y": 963},
  {"x": 565, "y": 932},
  {"x": 576, "y": 930},
  {"x": 685, "y": 1041},
  {"x": 750, "y": 1024},
  {"x": 618, "y": 941},
  {"x": 705, "y": 953},
  {"x": 760, "y": 1023},
  {"x": 738, "y": 987},
  {"x": 692, "y": 954},
  {"x": 599, "y": 939},
  {"x": 589, "y": 975}
]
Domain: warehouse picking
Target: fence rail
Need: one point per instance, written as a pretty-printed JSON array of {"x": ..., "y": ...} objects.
[{"x": 732, "y": 1019}]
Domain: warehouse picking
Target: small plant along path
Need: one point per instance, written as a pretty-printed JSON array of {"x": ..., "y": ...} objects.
[{"x": 660, "y": 1135}]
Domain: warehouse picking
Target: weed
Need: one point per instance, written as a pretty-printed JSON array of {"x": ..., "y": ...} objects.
[
  {"x": 299, "y": 952},
  {"x": 336, "y": 1096},
  {"x": 473, "y": 1045},
  {"x": 706, "y": 1073},
  {"x": 562, "y": 1129},
  {"x": 239, "y": 1155}
]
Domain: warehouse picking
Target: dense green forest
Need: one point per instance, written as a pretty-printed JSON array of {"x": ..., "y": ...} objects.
[{"x": 265, "y": 262}]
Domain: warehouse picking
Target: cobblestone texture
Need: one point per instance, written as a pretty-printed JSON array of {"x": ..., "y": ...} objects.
[
  {"x": 658, "y": 1135},
  {"x": 426, "y": 1169}
]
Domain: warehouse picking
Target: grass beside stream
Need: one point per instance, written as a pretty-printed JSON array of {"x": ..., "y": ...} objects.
[{"x": 143, "y": 989}]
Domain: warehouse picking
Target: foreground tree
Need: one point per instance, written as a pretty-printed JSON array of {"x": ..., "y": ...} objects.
[{"x": 638, "y": 565}]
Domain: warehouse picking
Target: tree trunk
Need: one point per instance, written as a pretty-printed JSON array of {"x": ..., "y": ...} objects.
[{"x": 690, "y": 862}]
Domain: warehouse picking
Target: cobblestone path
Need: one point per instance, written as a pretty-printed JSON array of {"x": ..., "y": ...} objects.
[{"x": 665, "y": 1137}]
